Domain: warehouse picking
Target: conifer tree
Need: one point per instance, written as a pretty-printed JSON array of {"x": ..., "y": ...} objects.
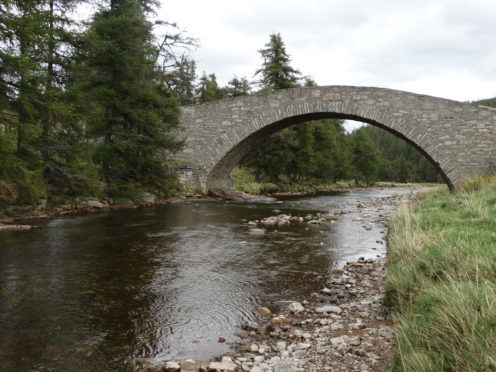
[
  {"x": 276, "y": 71},
  {"x": 208, "y": 89},
  {"x": 237, "y": 87},
  {"x": 181, "y": 80},
  {"x": 132, "y": 111}
]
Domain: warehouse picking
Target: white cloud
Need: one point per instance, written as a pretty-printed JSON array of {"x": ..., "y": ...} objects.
[{"x": 443, "y": 48}]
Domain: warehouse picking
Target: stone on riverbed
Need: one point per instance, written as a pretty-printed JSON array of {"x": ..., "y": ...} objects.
[
  {"x": 90, "y": 204},
  {"x": 15, "y": 227},
  {"x": 296, "y": 307},
  {"x": 264, "y": 311},
  {"x": 256, "y": 231},
  {"x": 226, "y": 365},
  {"x": 188, "y": 365},
  {"x": 172, "y": 366},
  {"x": 328, "y": 309}
]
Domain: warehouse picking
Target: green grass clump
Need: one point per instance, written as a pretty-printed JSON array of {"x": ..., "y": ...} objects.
[{"x": 441, "y": 283}]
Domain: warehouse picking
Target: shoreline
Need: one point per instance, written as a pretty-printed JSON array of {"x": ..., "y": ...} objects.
[
  {"x": 345, "y": 326},
  {"x": 92, "y": 207},
  {"x": 27, "y": 220}
]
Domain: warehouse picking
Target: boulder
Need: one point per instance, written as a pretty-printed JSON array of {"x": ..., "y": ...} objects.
[{"x": 90, "y": 204}]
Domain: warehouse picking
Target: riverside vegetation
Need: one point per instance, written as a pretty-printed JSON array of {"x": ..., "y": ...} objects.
[
  {"x": 87, "y": 113},
  {"x": 441, "y": 282}
]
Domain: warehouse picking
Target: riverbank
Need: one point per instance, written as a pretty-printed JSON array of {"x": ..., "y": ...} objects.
[
  {"x": 22, "y": 218},
  {"x": 441, "y": 282},
  {"x": 344, "y": 326},
  {"x": 245, "y": 181}
]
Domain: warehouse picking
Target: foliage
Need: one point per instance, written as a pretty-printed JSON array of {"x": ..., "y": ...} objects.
[
  {"x": 398, "y": 160},
  {"x": 132, "y": 110},
  {"x": 237, "y": 87},
  {"x": 80, "y": 107},
  {"x": 441, "y": 281},
  {"x": 181, "y": 80},
  {"x": 276, "y": 71},
  {"x": 208, "y": 89}
]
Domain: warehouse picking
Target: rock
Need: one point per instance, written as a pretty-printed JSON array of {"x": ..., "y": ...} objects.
[
  {"x": 188, "y": 364},
  {"x": 296, "y": 307},
  {"x": 90, "y": 204},
  {"x": 329, "y": 309},
  {"x": 284, "y": 367},
  {"x": 302, "y": 345},
  {"x": 337, "y": 271},
  {"x": 339, "y": 341},
  {"x": 281, "y": 345},
  {"x": 43, "y": 204},
  {"x": 15, "y": 227},
  {"x": 222, "y": 366},
  {"x": 298, "y": 333},
  {"x": 264, "y": 311},
  {"x": 254, "y": 348},
  {"x": 256, "y": 369},
  {"x": 149, "y": 198},
  {"x": 354, "y": 341},
  {"x": 172, "y": 366},
  {"x": 256, "y": 231},
  {"x": 262, "y": 349},
  {"x": 251, "y": 326},
  {"x": 222, "y": 339},
  {"x": 326, "y": 290}
]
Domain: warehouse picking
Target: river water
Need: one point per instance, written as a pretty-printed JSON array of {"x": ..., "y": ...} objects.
[{"x": 95, "y": 291}]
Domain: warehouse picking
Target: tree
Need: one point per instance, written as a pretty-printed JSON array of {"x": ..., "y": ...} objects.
[
  {"x": 365, "y": 158},
  {"x": 132, "y": 111},
  {"x": 272, "y": 157},
  {"x": 208, "y": 89},
  {"x": 276, "y": 71},
  {"x": 181, "y": 80},
  {"x": 237, "y": 87}
]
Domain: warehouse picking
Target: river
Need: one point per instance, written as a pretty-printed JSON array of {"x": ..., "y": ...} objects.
[{"x": 99, "y": 290}]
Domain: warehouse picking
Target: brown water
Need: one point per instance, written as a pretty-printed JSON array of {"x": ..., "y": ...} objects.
[{"x": 95, "y": 291}]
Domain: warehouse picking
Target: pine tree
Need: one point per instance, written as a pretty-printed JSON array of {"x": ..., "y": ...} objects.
[
  {"x": 276, "y": 71},
  {"x": 272, "y": 158},
  {"x": 132, "y": 111},
  {"x": 181, "y": 80},
  {"x": 208, "y": 89},
  {"x": 237, "y": 87}
]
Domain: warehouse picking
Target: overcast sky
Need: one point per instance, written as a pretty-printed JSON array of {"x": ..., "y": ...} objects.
[{"x": 444, "y": 48}]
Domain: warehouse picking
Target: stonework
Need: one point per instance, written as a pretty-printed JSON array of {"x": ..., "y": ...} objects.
[{"x": 458, "y": 138}]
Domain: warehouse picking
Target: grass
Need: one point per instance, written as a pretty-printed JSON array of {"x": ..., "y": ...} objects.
[
  {"x": 245, "y": 181},
  {"x": 441, "y": 282}
]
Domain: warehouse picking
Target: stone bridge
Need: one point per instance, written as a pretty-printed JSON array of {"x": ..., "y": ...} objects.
[{"x": 458, "y": 138}]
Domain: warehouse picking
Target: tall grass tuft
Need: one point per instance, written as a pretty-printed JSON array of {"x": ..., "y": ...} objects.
[{"x": 441, "y": 282}]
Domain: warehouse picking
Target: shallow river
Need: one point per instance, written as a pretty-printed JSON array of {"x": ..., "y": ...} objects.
[{"x": 95, "y": 291}]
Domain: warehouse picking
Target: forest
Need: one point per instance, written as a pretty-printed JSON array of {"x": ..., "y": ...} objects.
[{"x": 87, "y": 110}]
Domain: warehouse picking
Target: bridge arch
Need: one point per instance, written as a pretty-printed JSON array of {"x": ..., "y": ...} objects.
[{"x": 458, "y": 138}]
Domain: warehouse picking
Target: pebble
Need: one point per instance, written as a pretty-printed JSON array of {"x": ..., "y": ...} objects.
[
  {"x": 296, "y": 307},
  {"x": 264, "y": 311}
]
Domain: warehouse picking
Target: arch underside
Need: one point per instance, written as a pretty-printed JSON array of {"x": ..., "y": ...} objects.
[{"x": 219, "y": 175}]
